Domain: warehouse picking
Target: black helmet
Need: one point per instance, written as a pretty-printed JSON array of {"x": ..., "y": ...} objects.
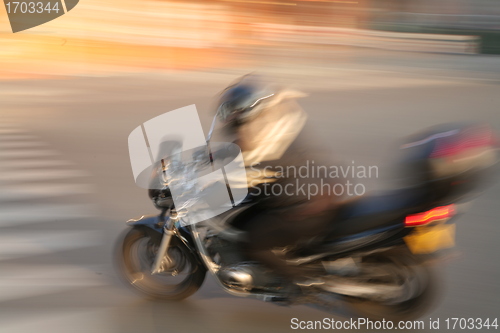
[{"x": 243, "y": 100}]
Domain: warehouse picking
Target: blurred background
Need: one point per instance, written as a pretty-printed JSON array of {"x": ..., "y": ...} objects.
[
  {"x": 73, "y": 89},
  {"x": 129, "y": 36}
]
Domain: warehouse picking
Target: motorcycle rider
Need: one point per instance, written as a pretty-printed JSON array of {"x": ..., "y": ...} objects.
[{"x": 272, "y": 131}]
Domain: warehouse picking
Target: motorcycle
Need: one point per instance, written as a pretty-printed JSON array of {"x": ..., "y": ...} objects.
[{"x": 379, "y": 258}]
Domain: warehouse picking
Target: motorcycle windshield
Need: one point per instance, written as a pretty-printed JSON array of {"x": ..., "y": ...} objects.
[{"x": 205, "y": 181}]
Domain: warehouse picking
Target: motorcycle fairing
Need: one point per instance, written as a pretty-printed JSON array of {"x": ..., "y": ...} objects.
[{"x": 151, "y": 221}]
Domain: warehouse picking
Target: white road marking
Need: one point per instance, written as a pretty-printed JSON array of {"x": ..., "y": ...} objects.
[
  {"x": 11, "y": 131},
  {"x": 23, "y": 244},
  {"x": 20, "y": 281},
  {"x": 37, "y": 175},
  {"x": 24, "y": 159},
  {"x": 59, "y": 321},
  {"x": 27, "y": 153},
  {"x": 8, "y": 125},
  {"x": 34, "y": 191},
  {"x": 28, "y": 213},
  {"x": 21, "y": 144},
  {"x": 37, "y": 163},
  {"x": 7, "y": 137}
]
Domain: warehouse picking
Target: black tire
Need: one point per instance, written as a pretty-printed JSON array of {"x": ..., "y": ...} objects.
[
  {"x": 136, "y": 245},
  {"x": 411, "y": 309}
]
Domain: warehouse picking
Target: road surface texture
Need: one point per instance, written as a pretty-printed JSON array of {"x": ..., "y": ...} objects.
[{"x": 66, "y": 186}]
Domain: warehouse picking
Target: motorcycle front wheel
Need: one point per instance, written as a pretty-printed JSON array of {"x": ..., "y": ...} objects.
[{"x": 182, "y": 274}]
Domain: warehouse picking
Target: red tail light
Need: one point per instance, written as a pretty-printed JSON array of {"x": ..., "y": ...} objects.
[{"x": 435, "y": 214}]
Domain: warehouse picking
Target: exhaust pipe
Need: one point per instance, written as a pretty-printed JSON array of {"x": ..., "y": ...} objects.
[{"x": 372, "y": 291}]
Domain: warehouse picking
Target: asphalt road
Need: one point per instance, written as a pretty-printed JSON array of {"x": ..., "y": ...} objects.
[{"x": 66, "y": 190}]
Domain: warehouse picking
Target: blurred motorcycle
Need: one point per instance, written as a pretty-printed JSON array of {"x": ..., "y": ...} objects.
[{"x": 378, "y": 258}]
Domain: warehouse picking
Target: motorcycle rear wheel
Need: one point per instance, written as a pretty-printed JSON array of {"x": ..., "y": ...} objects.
[
  {"x": 135, "y": 256},
  {"x": 410, "y": 309}
]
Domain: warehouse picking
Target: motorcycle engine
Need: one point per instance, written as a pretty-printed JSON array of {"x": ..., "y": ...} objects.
[{"x": 237, "y": 272}]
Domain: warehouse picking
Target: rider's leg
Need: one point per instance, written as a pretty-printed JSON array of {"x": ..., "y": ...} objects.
[{"x": 273, "y": 230}]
